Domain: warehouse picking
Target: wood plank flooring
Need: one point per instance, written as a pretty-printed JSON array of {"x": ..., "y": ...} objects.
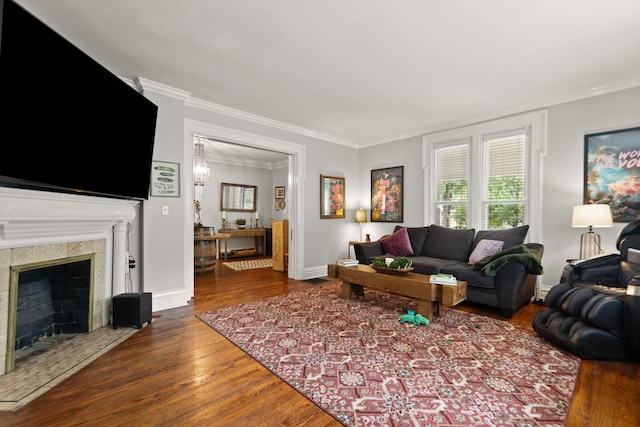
[{"x": 180, "y": 372}]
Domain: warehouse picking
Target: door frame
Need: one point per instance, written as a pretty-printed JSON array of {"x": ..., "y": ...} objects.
[{"x": 296, "y": 178}]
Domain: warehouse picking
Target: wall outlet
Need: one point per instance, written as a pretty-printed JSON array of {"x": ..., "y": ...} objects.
[{"x": 165, "y": 210}]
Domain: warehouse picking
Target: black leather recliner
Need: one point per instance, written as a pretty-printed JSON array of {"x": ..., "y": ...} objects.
[{"x": 590, "y": 313}]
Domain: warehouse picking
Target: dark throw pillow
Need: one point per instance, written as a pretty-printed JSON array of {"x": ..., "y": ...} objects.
[
  {"x": 397, "y": 244},
  {"x": 510, "y": 237},
  {"x": 449, "y": 243}
]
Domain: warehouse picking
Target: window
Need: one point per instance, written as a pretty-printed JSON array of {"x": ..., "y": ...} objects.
[
  {"x": 503, "y": 183},
  {"x": 452, "y": 184},
  {"x": 481, "y": 176}
]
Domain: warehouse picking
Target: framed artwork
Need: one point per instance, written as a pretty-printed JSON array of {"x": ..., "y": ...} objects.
[
  {"x": 279, "y": 193},
  {"x": 612, "y": 168},
  {"x": 165, "y": 179},
  {"x": 332, "y": 196},
  {"x": 387, "y": 194}
]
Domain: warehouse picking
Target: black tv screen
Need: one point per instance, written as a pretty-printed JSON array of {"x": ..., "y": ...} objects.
[{"x": 68, "y": 124}]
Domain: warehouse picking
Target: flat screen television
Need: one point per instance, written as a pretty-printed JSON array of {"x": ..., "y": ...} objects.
[{"x": 67, "y": 123}]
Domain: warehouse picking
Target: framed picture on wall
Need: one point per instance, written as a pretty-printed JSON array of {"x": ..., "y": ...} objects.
[
  {"x": 612, "y": 168},
  {"x": 279, "y": 193},
  {"x": 332, "y": 197},
  {"x": 387, "y": 194},
  {"x": 165, "y": 179}
]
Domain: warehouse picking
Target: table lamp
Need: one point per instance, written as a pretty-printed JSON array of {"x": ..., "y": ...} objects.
[
  {"x": 590, "y": 216},
  {"x": 361, "y": 216}
]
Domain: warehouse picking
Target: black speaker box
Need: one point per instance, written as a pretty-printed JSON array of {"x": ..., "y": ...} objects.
[{"x": 132, "y": 309}]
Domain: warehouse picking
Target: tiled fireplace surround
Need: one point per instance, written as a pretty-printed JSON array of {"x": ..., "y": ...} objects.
[{"x": 40, "y": 226}]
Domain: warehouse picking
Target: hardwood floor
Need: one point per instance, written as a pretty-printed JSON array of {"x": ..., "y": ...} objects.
[{"x": 177, "y": 371}]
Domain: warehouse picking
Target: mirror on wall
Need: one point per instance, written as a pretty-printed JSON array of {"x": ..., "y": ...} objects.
[{"x": 238, "y": 197}]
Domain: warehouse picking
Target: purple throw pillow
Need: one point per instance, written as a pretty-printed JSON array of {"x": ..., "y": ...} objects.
[
  {"x": 398, "y": 243},
  {"x": 485, "y": 248}
]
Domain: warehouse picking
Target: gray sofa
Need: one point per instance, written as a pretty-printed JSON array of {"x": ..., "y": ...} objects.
[{"x": 505, "y": 280}]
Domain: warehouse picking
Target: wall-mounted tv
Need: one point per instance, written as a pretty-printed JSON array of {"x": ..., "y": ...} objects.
[{"x": 67, "y": 123}]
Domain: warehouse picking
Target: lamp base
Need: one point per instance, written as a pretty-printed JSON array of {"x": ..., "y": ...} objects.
[{"x": 589, "y": 245}]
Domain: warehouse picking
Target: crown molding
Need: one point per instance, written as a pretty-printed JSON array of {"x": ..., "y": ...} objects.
[
  {"x": 261, "y": 120},
  {"x": 265, "y": 121},
  {"x": 161, "y": 89},
  {"x": 600, "y": 90},
  {"x": 261, "y": 165}
]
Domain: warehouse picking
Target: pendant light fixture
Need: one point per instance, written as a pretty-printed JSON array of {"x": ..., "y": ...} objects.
[{"x": 201, "y": 170}]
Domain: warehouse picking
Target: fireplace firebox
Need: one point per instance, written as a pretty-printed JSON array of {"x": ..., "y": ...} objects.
[{"x": 49, "y": 298}]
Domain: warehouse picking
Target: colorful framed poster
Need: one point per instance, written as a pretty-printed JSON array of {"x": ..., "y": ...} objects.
[
  {"x": 165, "y": 179},
  {"x": 387, "y": 194},
  {"x": 332, "y": 197},
  {"x": 612, "y": 168}
]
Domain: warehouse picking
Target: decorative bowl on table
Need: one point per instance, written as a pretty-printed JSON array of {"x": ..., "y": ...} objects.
[{"x": 389, "y": 270}]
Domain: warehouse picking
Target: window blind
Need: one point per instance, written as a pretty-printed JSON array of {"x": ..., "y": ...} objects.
[
  {"x": 452, "y": 185},
  {"x": 504, "y": 181}
]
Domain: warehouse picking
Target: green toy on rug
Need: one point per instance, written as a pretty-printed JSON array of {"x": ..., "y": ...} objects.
[{"x": 412, "y": 317}]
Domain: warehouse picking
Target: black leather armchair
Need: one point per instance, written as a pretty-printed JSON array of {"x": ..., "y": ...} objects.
[{"x": 591, "y": 313}]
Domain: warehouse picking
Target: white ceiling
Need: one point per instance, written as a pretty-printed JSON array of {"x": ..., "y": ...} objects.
[{"x": 360, "y": 72}]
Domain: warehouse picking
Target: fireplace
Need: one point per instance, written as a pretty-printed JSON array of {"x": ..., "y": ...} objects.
[
  {"x": 48, "y": 299},
  {"x": 50, "y": 271},
  {"x": 42, "y": 228}
]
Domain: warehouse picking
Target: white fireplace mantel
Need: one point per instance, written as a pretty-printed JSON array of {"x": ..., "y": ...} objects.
[
  {"x": 29, "y": 217},
  {"x": 32, "y": 218}
]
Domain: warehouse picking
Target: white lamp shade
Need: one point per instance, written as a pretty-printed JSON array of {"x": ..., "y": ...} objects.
[{"x": 596, "y": 215}]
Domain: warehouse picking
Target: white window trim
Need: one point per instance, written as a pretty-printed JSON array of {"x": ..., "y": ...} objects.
[{"x": 534, "y": 122}]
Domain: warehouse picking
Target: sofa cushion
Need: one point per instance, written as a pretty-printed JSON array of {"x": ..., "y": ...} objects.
[
  {"x": 485, "y": 248},
  {"x": 417, "y": 236},
  {"x": 510, "y": 237},
  {"x": 429, "y": 265},
  {"x": 397, "y": 244},
  {"x": 463, "y": 271},
  {"x": 448, "y": 243}
]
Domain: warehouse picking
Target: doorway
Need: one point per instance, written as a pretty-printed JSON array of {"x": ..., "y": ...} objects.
[{"x": 295, "y": 160}]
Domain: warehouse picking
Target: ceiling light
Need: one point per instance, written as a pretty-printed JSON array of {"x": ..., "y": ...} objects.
[{"x": 201, "y": 170}]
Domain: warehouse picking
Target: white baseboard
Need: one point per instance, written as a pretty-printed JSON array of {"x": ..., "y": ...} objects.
[
  {"x": 169, "y": 299},
  {"x": 313, "y": 272}
]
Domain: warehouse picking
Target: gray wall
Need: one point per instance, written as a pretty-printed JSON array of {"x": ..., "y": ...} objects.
[
  {"x": 407, "y": 153},
  {"x": 164, "y": 250},
  {"x": 325, "y": 239},
  {"x": 262, "y": 178},
  {"x": 563, "y": 182},
  {"x": 563, "y": 173},
  {"x": 168, "y": 253}
]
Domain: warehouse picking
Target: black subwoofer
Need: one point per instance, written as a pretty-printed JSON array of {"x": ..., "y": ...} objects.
[{"x": 132, "y": 309}]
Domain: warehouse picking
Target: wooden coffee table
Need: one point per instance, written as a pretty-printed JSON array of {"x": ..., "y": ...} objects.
[{"x": 430, "y": 296}]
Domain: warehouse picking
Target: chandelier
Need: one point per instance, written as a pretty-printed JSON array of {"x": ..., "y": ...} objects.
[{"x": 201, "y": 170}]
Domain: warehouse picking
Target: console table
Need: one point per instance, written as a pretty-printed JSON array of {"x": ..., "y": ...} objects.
[{"x": 259, "y": 235}]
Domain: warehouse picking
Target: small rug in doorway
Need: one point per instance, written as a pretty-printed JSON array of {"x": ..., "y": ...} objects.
[
  {"x": 249, "y": 264},
  {"x": 356, "y": 361}
]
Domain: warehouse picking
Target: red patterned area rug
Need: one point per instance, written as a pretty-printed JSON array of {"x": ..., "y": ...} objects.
[{"x": 356, "y": 361}]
